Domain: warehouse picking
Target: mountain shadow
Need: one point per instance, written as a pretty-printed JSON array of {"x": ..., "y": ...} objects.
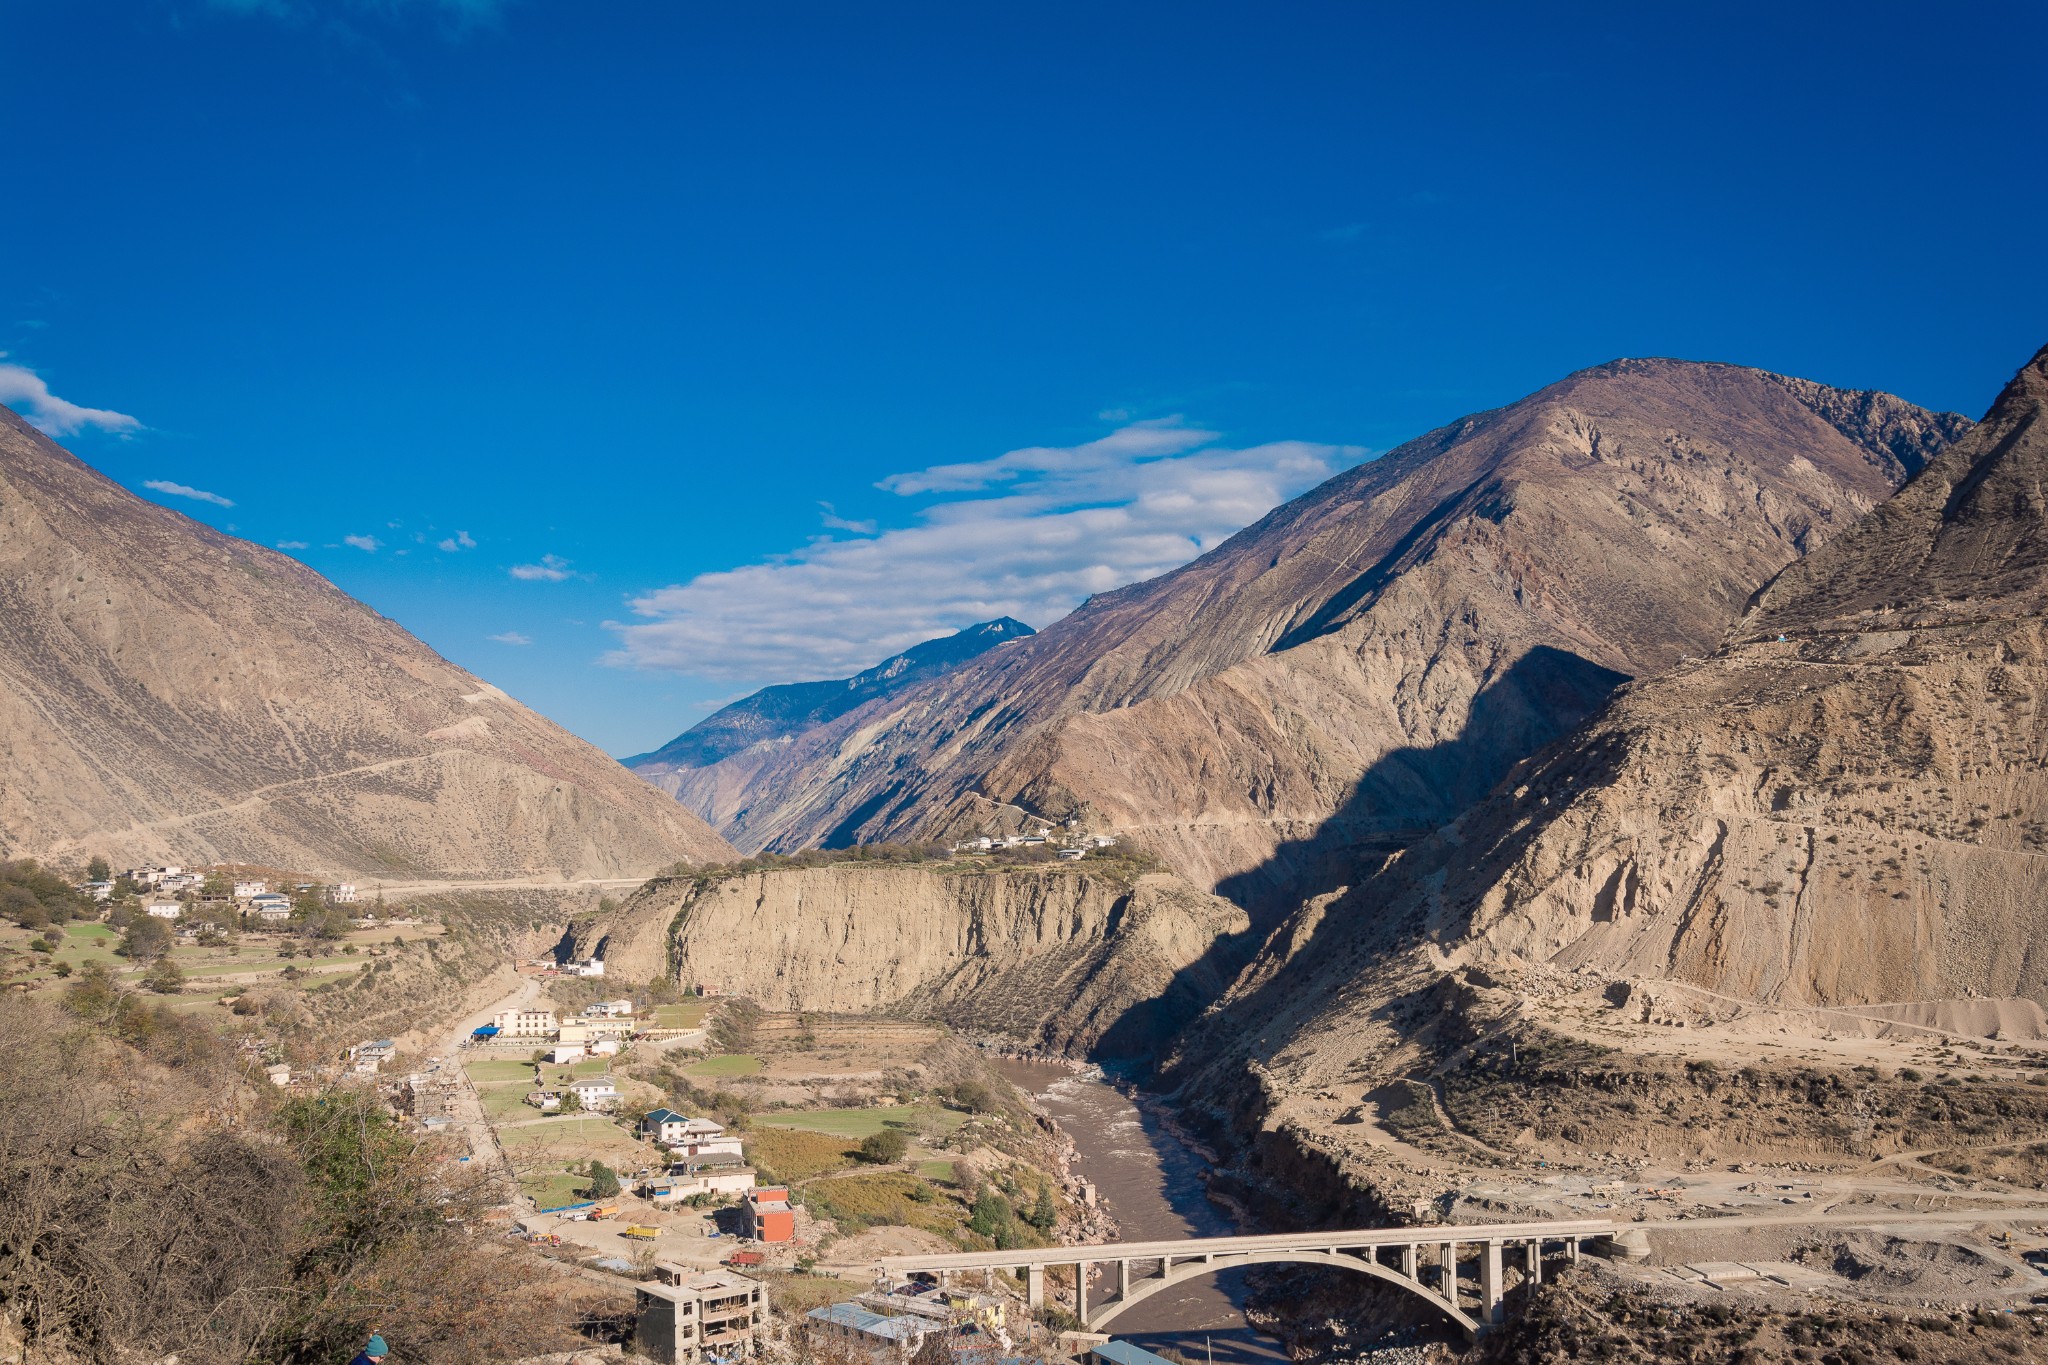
[{"x": 1413, "y": 790}]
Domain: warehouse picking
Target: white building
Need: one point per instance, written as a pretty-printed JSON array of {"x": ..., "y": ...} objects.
[
  {"x": 608, "y": 1009},
  {"x": 591, "y": 967},
  {"x": 561, "y": 1056},
  {"x": 163, "y": 909},
  {"x": 271, "y": 912},
  {"x": 248, "y": 891},
  {"x": 596, "y": 1094},
  {"x": 692, "y": 1139},
  {"x": 342, "y": 893},
  {"x": 365, "y": 1058},
  {"x": 525, "y": 1023},
  {"x": 99, "y": 891}
]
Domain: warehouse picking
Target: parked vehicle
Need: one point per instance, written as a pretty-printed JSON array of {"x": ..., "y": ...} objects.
[{"x": 640, "y": 1234}]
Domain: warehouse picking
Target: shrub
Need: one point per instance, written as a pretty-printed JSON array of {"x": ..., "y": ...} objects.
[{"x": 885, "y": 1147}]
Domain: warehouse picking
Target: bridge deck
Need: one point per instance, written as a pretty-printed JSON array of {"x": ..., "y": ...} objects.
[{"x": 1351, "y": 1239}]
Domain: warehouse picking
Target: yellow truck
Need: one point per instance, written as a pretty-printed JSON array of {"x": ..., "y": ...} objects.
[{"x": 640, "y": 1234}]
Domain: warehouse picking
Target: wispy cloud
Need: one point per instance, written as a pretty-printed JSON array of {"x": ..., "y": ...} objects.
[
  {"x": 512, "y": 637},
  {"x": 551, "y": 569},
  {"x": 180, "y": 490},
  {"x": 459, "y": 541},
  {"x": 368, "y": 544},
  {"x": 834, "y": 522},
  {"x": 458, "y": 15},
  {"x": 291, "y": 545},
  {"x": 1027, "y": 534},
  {"x": 24, "y": 390}
]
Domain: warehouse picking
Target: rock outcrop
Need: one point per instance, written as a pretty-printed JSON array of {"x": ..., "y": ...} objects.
[
  {"x": 1355, "y": 668},
  {"x": 1059, "y": 959},
  {"x": 171, "y": 693}
]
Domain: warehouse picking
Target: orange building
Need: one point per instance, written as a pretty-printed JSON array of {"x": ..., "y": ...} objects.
[{"x": 768, "y": 1215}]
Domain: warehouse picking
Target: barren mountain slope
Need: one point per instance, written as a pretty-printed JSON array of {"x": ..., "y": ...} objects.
[
  {"x": 1847, "y": 805},
  {"x": 1365, "y": 660},
  {"x": 1059, "y": 958},
  {"x": 167, "y": 692}
]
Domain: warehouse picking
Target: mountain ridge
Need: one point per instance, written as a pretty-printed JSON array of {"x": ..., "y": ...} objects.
[
  {"x": 781, "y": 710},
  {"x": 169, "y": 692},
  {"x": 1309, "y": 692}
]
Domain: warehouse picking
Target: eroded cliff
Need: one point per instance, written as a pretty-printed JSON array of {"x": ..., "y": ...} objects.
[{"x": 1065, "y": 959}]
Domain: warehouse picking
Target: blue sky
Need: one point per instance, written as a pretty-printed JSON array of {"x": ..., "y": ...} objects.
[{"x": 637, "y": 354}]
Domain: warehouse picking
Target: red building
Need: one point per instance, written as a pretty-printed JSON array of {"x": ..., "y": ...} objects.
[{"x": 768, "y": 1215}]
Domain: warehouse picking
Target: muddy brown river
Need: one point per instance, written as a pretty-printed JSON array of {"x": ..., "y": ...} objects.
[{"x": 1152, "y": 1183}]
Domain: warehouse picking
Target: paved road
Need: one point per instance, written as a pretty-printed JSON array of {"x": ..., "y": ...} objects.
[{"x": 1873, "y": 1217}]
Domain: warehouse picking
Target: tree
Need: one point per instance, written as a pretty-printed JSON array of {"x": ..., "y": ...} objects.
[
  {"x": 147, "y": 939},
  {"x": 1043, "y": 1213},
  {"x": 604, "y": 1182},
  {"x": 97, "y": 870},
  {"x": 166, "y": 978},
  {"x": 992, "y": 1216},
  {"x": 571, "y": 1102},
  {"x": 885, "y": 1147}
]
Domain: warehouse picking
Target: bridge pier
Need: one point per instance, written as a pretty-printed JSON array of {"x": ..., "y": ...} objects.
[
  {"x": 1034, "y": 1286},
  {"x": 1410, "y": 1261},
  {"x": 1081, "y": 1292},
  {"x": 1533, "y": 1260},
  {"x": 1489, "y": 1280},
  {"x": 1448, "y": 1261},
  {"x": 1123, "y": 1279}
]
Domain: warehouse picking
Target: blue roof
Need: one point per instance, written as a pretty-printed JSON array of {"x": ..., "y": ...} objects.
[
  {"x": 1123, "y": 1353},
  {"x": 665, "y": 1116},
  {"x": 874, "y": 1324}
]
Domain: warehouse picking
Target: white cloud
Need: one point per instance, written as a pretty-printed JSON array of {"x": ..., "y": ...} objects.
[
  {"x": 24, "y": 390},
  {"x": 1055, "y": 525},
  {"x": 459, "y": 541},
  {"x": 291, "y": 545},
  {"x": 834, "y": 522},
  {"x": 366, "y": 543},
  {"x": 180, "y": 490},
  {"x": 512, "y": 637},
  {"x": 551, "y": 569}
]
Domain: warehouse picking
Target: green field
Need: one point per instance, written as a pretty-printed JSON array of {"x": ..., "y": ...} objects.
[
  {"x": 584, "y": 1132},
  {"x": 552, "y": 1189},
  {"x": 503, "y": 1103},
  {"x": 726, "y": 1066},
  {"x": 680, "y": 1016},
  {"x": 860, "y": 1123},
  {"x": 941, "y": 1171},
  {"x": 494, "y": 1073}
]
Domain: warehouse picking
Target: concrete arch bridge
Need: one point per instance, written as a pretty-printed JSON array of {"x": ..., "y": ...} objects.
[{"x": 1460, "y": 1271}]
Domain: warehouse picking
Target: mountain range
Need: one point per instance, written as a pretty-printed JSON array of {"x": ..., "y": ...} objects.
[
  {"x": 1360, "y": 665},
  {"x": 1835, "y": 821},
  {"x": 776, "y": 714},
  {"x": 169, "y": 693}
]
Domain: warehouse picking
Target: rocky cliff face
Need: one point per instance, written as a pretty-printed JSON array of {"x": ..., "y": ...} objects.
[
  {"x": 1060, "y": 959},
  {"x": 1365, "y": 661},
  {"x": 1846, "y": 805},
  {"x": 167, "y": 692}
]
